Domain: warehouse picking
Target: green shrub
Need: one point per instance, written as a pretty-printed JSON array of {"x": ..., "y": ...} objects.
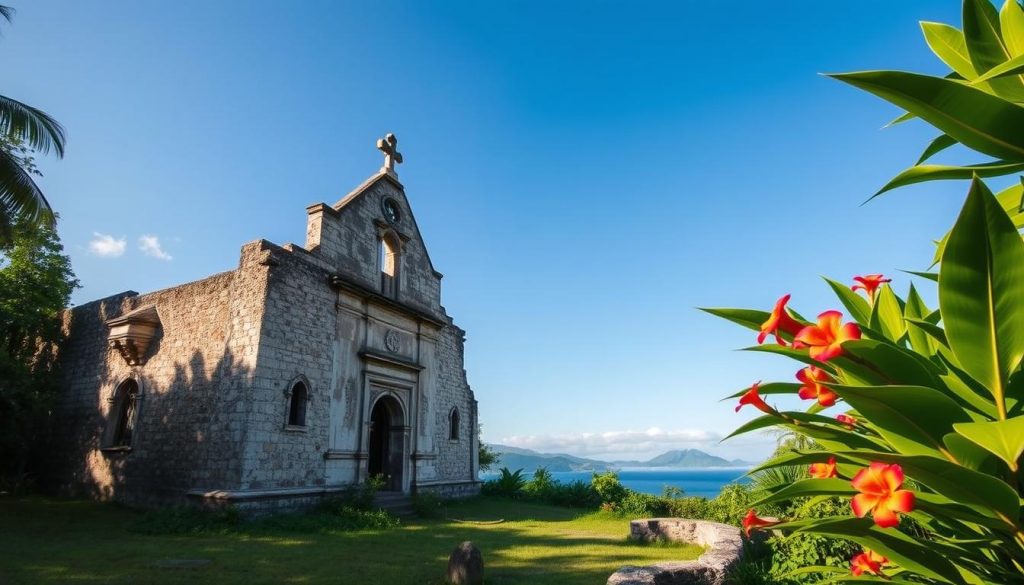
[
  {"x": 541, "y": 486},
  {"x": 608, "y": 487},
  {"x": 575, "y": 494},
  {"x": 508, "y": 484}
]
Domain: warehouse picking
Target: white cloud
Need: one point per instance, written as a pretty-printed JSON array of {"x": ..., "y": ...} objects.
[
  {"x": 106, "y": 245},
  {"x": 613, "y": 442},
  {"x": 150, "y": 246}
]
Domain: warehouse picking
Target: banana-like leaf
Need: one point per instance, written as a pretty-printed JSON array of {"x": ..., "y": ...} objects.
[
  {"x": 1011, "y": 24},
  {"x": 972, "y": 394},
  {"x": 933, "y": 331},
  {"x": 980, "y": 121},
  {"x": 769, "y": 388},
  {"x": 968, "y": 453},
  {"x": 947, "y": 42},
  {"x": 986, "y": 48},
  {"x": 940, "y": 143},
  {"x": 932, "y": 276},
  {"x": 1014, "y": 66},
  {"x": 855, "y": 304},
  {"x": 1003, "y": 438},
  {"x": 921, "y": 173},
  {"x": 913, "y": 419},
  {"x": 981, "y": 292},
  {"x": 891, "y": 364},
  {"x": 749, "y": 318},
  {"x": 887, "y": 315},
  {"x": 919, "y": 339},
  {"x": 893, "y": 544}
]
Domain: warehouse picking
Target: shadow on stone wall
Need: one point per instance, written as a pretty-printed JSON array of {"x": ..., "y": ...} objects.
[{"x": 189, "y": 427}]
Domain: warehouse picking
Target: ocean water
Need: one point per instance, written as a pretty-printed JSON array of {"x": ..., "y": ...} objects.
[{"x": 706, "y": 482}]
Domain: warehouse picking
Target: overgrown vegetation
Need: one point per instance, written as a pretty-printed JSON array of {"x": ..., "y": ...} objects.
[
  {"x": 920, "y": 471},
  {"x": 36, "y": 282}
]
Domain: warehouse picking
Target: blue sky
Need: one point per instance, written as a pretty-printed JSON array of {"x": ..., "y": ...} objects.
[{"x": 585, "y": 174}]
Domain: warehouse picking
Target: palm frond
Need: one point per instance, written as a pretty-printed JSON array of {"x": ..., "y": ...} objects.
[
  {"x": 19, "y": 194},
  {"x": 33, "y": 126},
  {"x": 7, "y": 12}
]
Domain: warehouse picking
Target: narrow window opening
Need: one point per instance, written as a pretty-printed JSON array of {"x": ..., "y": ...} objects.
[
  {"x": 297, "y": 405},
  {"x": 453, "y": 429},
  {"x": 125, "y": 406},
  {"x": 388, "y": 267}
]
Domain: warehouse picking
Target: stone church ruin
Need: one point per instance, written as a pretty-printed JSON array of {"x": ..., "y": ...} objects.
[{"x": 305, "y": 370}]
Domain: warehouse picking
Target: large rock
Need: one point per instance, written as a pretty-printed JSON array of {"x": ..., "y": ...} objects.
[{"x": 466, "y": 565}]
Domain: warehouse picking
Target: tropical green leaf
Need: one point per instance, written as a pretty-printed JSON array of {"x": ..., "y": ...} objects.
[
  {"x": 986, "y": 48},
  {"x": 890, "y": 363},
  {"x": 19, "y": 194},
  {"x": 749, "y": 318},
  {"x": 940, "y": 143},
  {"x": 920, "y": 340},
  {"x": 769, "y": 388},
  {"x": 887, "y": 314},
  {"x": 967, "y": 452},
  {"x": 893, "y": 544},
  {"x": 981, "y": 292},
  {"x": 921, "y": 173},
  {"x": 1014, "y": 66},
  {"x": 1011, "y": 24},
  {"x": 913, "y": 419},
  {"x": 980, "y": 121},
  {"x": 1010, "y": 200},
  {"x": 855, "y": 304},
  {"x": 934, "y": 331},
  {"x": 1003, "y": 438},
  {"x": 947, "y": 42},
  {"x": 933, "y": 276},
  {"x": 33, "y": 126},
  {"x": 973, "y": 395}
]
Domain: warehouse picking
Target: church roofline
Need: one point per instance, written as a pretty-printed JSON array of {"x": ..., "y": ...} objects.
[{"x": 365, "y": 185}]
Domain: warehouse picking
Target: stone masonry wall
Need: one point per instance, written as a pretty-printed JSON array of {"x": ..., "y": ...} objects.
[
  {"x": 346, "y": 237},
  {"x": 455, "y": 458},
  {"x": 297, "y": 342},
  {"x": 191, "y": 415}
]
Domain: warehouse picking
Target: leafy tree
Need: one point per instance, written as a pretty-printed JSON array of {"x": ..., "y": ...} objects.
[
  {"x": 925, "y": 458},
  {"x": 36, "y": 283},
  {"x": 24, "y": 129}
]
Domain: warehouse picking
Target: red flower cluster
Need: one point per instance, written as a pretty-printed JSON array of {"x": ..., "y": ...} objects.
[
  {"x": 823, "y": 470},
  {"x": 754, "y": 399},
  {"x": 867, "y": 561},
  {"x": 823, "y": 339},
  {"x": 813, "y": 387},
  {"x": 751, "y": 521},
  {"x": 847, "y": 421},
  {"x": 869, "y": 284},
  {"x": 879, "y": 486}
]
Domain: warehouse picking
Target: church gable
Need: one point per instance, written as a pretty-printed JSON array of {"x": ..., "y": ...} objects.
[{"x": 371, "y": 239}]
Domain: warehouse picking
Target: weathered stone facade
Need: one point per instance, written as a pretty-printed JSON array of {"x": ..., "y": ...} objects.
[{"x": 305, "y": 370}]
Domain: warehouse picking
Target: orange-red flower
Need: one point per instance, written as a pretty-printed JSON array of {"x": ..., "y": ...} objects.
[
  {"x": 870, "y": 283},
  {"x": 823, "y": 470},
  {"x": 879, "y": 487},
  {"x": 751, "y": 521},
  {"x": 847, "y": 420},
  {"x": 812, "y": 378},
  {"x": 754, "y": 399},
  {"x": 867, "y": 561},
  {"x": 825, "y": 339},
  {"x": 779, "y": 320}
]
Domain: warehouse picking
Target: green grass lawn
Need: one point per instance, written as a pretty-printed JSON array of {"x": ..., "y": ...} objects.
[{"x": 61, "y": 541}]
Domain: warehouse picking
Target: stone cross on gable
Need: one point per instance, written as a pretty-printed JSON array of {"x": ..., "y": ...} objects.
[{"x": 389, "y": 146}]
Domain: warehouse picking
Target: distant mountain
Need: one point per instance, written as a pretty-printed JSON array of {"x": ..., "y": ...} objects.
[
  {"x": 682, "y": 458},
  {"x": 528, "y": 460}
]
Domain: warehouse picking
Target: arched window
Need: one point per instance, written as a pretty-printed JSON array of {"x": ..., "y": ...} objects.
[
  {"x": 125, "y": 405},
  {"x": 389, "y": 263},
  {"x": 453, "y": 425},
  {"x": 297, "y": 405}
]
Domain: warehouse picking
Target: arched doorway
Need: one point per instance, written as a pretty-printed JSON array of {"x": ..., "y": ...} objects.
[{"x": 387, "y": 442}]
